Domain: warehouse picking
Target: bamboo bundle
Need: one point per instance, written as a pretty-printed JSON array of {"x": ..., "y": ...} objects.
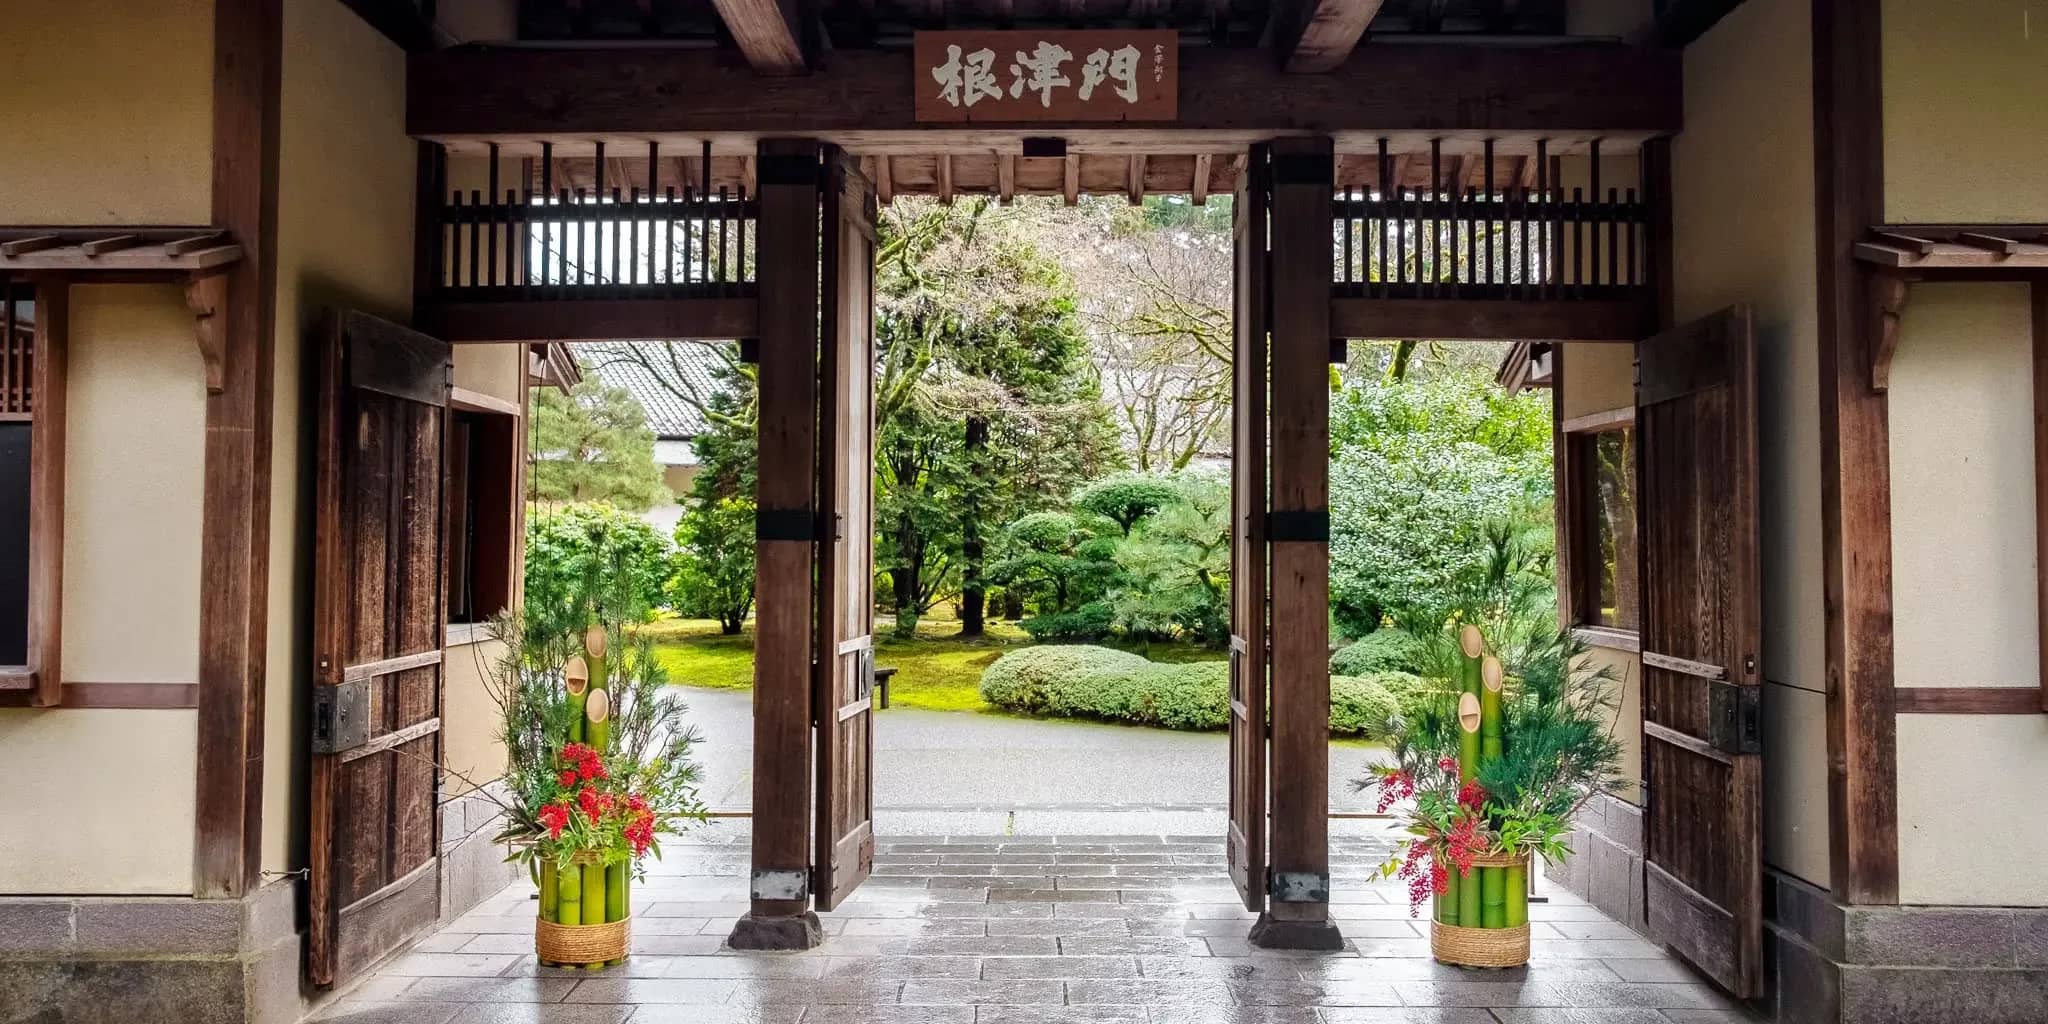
[{"x": 576, "y": 679}]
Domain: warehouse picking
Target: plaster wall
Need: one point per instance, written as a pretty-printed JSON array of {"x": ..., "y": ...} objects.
[
  {"x": 345, "y": 222},
  {"x": 109, "y": 121},
  {"x": 1963, "y": 592},
  {"x": 1966, "y": 132},
  {"x": 1744, "y": 232}
]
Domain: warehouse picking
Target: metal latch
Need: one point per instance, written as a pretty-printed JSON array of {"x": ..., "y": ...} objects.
[
  {"x": 1735, "y": 717},
  {"x": 782, "y": 884},
  {"x": 1298, "y": 886},
  {"x": 341, "y": 716}
]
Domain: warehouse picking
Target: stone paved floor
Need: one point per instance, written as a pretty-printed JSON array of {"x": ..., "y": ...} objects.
[{"x": 1026, "y": 930}]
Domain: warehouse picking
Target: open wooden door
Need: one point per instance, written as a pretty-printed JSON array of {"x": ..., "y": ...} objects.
[
  {"x": 1702, "y": 625},
  {"x": 1246, "y": 848},
  {"x": 377, "y": 639},
  {"x": 844, "y": 670}
]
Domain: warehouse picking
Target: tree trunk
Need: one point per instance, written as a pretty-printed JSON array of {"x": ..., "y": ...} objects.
[{"x": 972, "y": 593}]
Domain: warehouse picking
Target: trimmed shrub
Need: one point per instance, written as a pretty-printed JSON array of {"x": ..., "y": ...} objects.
[
  {"x": 1383, "y": 650},
  {"x": 1097, "y": 682},
  {"x": 1091, "y": 621}
]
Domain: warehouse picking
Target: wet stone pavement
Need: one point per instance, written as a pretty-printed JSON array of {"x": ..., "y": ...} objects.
[{"x": 1026, "y": 930}]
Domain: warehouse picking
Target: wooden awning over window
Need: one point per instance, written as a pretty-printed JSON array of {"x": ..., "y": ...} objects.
[
  {"x": 170, "y": 252},
  {"x": 1925, "y": 247}
]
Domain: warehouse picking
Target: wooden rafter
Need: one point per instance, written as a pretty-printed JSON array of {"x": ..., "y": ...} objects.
[
  {"x": 1134, "y": 182},
  {"x": 766, "y": 33},
  {"x": 1070, "y": 186},
  {"x": 129, "y": 251},
  {"x": 1006, "y": 178},
  {"x": 1199, "y": 188},
  {"x": 1315, "y": 36}
]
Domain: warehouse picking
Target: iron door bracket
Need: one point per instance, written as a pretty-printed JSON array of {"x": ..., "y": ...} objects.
[
  {"x": 341, "y": 716},
  {"x": 1735, "y": 717}
]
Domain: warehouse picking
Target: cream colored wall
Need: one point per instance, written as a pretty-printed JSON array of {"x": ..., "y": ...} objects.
[
  {"x": 345, "y": 221},
  {"x": 109, "y": 121},
  {"x": 1966, "y": 130},
  {"x": 109, "y": 112},
  {"x": 1743, "y": 222},
  {"x": 469, "y": 734},
  {"x": 495, "y": 370},
  {"x": 1601, "y": 378},
  {"x": 1963, "y": 593}
]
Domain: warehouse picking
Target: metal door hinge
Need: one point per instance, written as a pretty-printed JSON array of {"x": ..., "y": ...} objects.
[
  {"x": 1735, "y": 717},
  {"x": 1298, "y": 886},
  {"x": 341, "y": 716}
]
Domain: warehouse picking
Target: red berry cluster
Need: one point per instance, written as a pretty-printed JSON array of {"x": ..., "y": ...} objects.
[{"x": 1395, "y": 786}]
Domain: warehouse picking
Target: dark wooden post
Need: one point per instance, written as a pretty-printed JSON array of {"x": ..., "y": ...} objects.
[
  {"x": 1298, "y": 529},
  {"x": 785, "y": 534}
]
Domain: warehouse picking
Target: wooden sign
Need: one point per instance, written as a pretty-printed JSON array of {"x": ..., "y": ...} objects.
[{"x": 1076, "y": 75}]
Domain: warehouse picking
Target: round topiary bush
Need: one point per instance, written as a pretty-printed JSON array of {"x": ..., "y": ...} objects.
[
  {"x": 1383, "y": 650},
  {"x": 1361, "y": 706},
  {"x": 1045, "y": 680}
]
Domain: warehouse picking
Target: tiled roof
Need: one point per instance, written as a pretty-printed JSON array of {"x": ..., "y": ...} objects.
[{"x": 649, "y": 370}]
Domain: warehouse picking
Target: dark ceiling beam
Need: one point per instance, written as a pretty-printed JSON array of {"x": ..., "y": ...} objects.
[
  {"x": 1564, "y": 88},
  {"x": 771, "y": 33},
  {"x": 1679, "y": 22},
  {"x": 400, "y": 21},
  {"x": 1313, "y": 36}
]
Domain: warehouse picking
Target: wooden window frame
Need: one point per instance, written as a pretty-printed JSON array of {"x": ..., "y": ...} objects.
[
  {"x": 506, "y": 526},
  {"x": 1578, "y": 586},
  {"x": 41, "y": 676}
]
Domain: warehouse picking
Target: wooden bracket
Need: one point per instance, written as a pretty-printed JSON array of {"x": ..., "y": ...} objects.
[
  {"x": 206, "y": 295},
  {"x": 1887, "y": 305}
]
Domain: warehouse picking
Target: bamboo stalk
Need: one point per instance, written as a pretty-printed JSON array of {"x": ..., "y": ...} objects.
[
  {"x": 1447, "y": 901},
  {"x": 1470, "y": 901},
  {"x": 597, "y": 717},
  {"x": 1468, "y": 737},
  {"x": 1490, "y": 675},
  {"x": 593, "y": 894},
  {"x": 1493, "y": 899},
  {"x": 1517, "y": 885},
  {"x": 548, "y": 894},
  {"x": 598, "y": 732},
  {"x": 577, "y": 676},
  {"x": 618, "y": 902},
  {"x": 569, "y": 897}
]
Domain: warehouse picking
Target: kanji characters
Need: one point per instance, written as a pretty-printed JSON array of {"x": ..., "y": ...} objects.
[
  {"x": 1039, "y": 72},
  {"x": 966, "y": 81},
  {"x": 1120, "y": 67}
]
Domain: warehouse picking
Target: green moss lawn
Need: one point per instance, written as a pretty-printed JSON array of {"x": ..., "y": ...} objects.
[{"x": 938, "y": 671}]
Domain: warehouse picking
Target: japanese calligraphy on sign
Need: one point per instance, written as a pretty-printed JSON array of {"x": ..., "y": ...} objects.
[{"x": 1078, "y": 75}]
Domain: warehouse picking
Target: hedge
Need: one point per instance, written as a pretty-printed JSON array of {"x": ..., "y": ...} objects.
[
  {"x": 1076, "y": 681},
  {"x": 1384, "y": 650}
]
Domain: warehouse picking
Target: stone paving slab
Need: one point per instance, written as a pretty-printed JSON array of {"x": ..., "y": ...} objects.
[{"x": 1092, "y": 929}]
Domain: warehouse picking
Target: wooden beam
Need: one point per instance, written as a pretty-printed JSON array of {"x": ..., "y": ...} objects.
[
  {"x": 788, "y": 236},
  {"x": 46, "y": 494},
  {"x": 1199, "y": 188},
  {"x": 1856, "y": 514},
  {"x": 864, "y": 99},
  {"x": 1617, "y": 320},
  {"x": 1134, "y": 180},
  {"x": 2040, "y": 300},
  {"x": 234, "y": 541},
  {"x": 1887, "y": 294},
  {"x": 885, "y": 186},
  {"x": 1314, "y": 36},
  {"x": 575, "y": 320},
  {"x": 1968, "y": 700},
  {"x": 946, "y": 178},
  {"x": 767, "y": 32},
  {"x": 33, "y": 243},
  {"x": 1006, "y": 177},
  {"x": 1298, "y": 531},
  {"x": 1070, "y": 186}
]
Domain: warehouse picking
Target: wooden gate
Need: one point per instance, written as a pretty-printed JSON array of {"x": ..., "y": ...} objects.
[
  {"x": 377, "y": 639},
  {"x": 844, "y": 671},
  {"x": 1701, "y": 641},
  {"x": 1246, "y": 849}
]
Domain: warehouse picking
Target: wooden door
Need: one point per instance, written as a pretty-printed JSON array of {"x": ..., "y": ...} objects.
[
  {"x": 378, "y": 630},
  {"x": 844, "y": 669},
  {"x": 1696, "y": 452},
  {"x": 1246, "y": 848}
]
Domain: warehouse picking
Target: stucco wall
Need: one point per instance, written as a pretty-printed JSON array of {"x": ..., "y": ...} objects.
[
  {"x": 1963, "y": 593},
  {"x": 1601, "y": 378},
  {"x": 469, "y": 734},
  {"x": 109, "y": 121},
  {"x": 345, "y": 220},
  {"x": 1966, "y": 131},
  {"x": 1743, "y": 220}
]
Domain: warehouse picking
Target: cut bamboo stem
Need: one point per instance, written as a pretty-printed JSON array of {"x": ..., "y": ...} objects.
[
  {"x": 1468, "y": 737},
  {"x": 593, "y": 894},
  {"x": 1470, "y": 906},
  {"x": 576, "y": 676},
  {"x": 569, "y": 896},
  {"x": 1447, "y": 901},
  {"x": 597, "y": 719},
  {"x": 1493, "y": 897},
  {"x": 600, "y": 682},
  {"x": 1490, "y": 676},
  {"x": 618, "y": 901},
  {"x": 1517, "y": 883}
]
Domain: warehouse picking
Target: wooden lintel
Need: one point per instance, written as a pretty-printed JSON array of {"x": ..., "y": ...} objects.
[
  {"x": 1617, "y": 320},
  {"x": 593, "y": 320},
  {"x": 762, "y": 29},
  {"x": 864, "y": 96},
  {"x": 205, "y": 299},
  {"x": 1199, "y": 188},
  {"x": 1887, "y": 304},
  {"x": 1967, "y": 700}
]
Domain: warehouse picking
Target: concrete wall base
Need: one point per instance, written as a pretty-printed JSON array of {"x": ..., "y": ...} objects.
[
  {"x": 1606, "y": 865},
  {"x": 473, "y": 868}
]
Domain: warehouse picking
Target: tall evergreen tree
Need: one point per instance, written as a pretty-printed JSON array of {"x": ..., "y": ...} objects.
[{"x": 593, "y": 444}]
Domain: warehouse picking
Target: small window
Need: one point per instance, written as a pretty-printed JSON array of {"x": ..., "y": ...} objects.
[
  {"x": 17, "y": 433},
  {"x": 483, "y": 503},
  {"x": 1604, "y": 576}
]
